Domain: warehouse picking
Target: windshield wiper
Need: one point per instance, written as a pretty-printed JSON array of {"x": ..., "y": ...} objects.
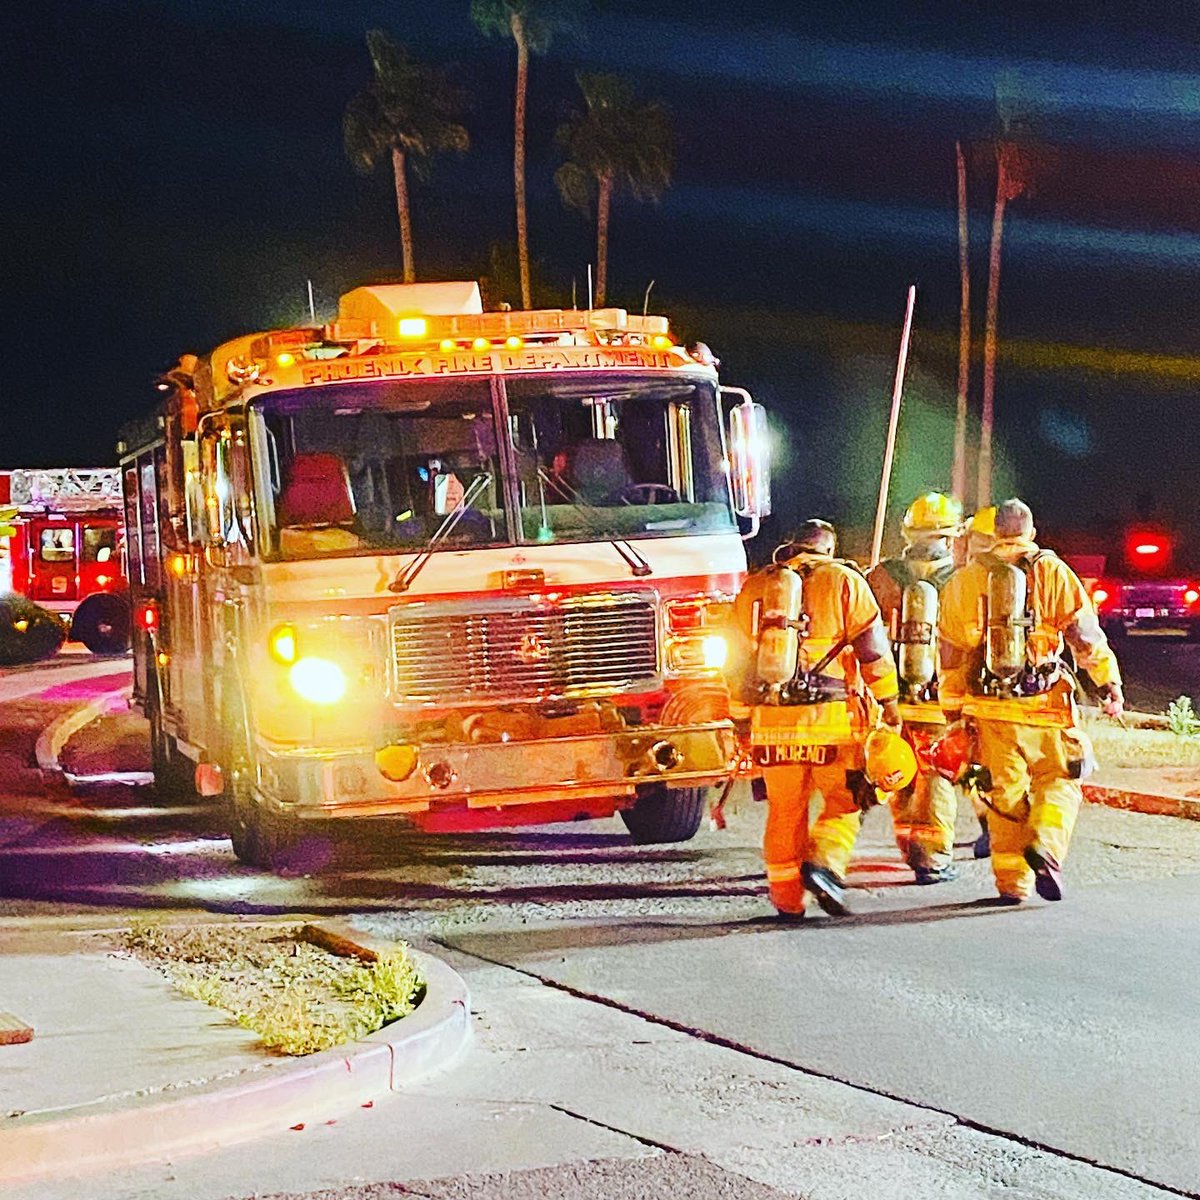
[
  {"x": 593, "y": 518},
  {"x": 408, "y": 574}
]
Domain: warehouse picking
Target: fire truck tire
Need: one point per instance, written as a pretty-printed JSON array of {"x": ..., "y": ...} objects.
[
  {"x": 663, "y": 814},
  {"x": 102, "y": 623},
  {"x": 260, "y": 838},
  {"x": 174, "y": 774}
]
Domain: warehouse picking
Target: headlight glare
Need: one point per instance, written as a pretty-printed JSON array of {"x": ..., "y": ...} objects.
[
  {"x": 318, "y": 680},
  {"x": 715, "y": 651}
]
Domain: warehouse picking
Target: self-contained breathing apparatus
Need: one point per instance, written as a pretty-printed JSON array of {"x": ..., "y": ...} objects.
[
  {"x": 1008, "y": 618},
  {"x": 914, "y": 626},
  {"x": 781, "y": 627}
]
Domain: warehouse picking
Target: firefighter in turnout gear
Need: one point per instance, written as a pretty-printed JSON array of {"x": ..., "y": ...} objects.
[
  {"x": 907, "y": 589},
  {"x": 1005, "y": 617},
  {"x": 816, "y": 671}
]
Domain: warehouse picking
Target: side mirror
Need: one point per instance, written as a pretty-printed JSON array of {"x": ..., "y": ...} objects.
[{"x": 749, "y": 457}]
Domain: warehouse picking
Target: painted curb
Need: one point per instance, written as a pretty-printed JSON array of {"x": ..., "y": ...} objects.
[
  {"x": 60, "y": 731},
  {"x": 318, "y": 1088},
  {"x": 1143, "y": 802}
]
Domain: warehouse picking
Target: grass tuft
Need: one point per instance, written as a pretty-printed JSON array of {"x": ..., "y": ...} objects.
[
  {"x": 1120, "y": 747},
  {"x": 298, "y": 998}
]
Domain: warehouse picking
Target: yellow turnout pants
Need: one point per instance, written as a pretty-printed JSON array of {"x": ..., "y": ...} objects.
[
  {"x": 923, "y": 816},
  {"x": 1036, "y": 799},
  {"x": 812, "y": 817}
]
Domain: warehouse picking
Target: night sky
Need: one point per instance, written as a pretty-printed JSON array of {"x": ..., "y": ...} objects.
[{"x": 175, "y": 173}]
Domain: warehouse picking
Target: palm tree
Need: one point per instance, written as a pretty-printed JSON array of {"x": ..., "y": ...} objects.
[
  {"x": 408, "y": 112},
  {"x": 531, "y": 24},
  {"x": 616, "y": 143},
  {"x": 1017, "y": 164}
]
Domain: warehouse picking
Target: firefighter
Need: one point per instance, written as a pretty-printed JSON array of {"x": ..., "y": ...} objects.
[
  {"x": 816, "y": 670},
  {"x": 1005, "y": 617},
  {"x": 907, "y": 588},
  {"x": 980, "y": 537}
]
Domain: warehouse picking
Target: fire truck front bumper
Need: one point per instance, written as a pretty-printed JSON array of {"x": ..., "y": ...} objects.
[{"x": 591, "y": 775}]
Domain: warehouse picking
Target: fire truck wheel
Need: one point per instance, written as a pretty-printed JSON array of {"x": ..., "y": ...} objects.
[
  {"x": 102, "y": 623},
  {"x": 260, "y": 838},
  {"x": 174, "y": 774},
  {"x": 663, "y": 814}
]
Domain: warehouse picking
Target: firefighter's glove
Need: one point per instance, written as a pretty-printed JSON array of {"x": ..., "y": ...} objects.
[
  {"x": 1112, "y": 701},
  {"x": 889, "y": 714},
  {"x": 863, "y": 790}
]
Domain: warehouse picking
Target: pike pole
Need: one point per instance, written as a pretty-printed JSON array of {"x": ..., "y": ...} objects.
[{"x": 893, "y": 421}]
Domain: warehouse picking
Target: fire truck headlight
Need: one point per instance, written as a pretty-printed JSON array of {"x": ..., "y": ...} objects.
[
  {"x": 318, "y": 680},
  {"x": 715, "y": 651}
]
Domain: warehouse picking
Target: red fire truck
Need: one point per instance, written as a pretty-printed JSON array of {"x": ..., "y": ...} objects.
[
  {"x": 466, "y": 568},
  {"x": 61, "y": 546}
]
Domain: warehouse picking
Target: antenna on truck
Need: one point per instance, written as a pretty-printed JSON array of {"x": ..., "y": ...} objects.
[
  {"x": 589, "y": 287},
  {"x": 646, "y": 297},
  {"x": 312, "y": 308}
]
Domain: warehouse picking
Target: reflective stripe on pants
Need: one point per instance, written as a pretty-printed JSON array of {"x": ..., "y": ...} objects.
[
  {"x": 923, "y": 816},
  {"x": 1031, "y": 782}
]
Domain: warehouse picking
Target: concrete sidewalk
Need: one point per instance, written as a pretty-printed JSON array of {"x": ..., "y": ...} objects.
[{"x": 124, "y": 1069}]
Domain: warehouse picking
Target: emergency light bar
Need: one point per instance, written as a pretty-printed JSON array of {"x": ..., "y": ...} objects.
[{"x": 554, "y": 325}]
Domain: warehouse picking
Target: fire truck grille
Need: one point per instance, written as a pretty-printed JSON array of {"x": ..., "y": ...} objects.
[{"x": 517, "y": 649}]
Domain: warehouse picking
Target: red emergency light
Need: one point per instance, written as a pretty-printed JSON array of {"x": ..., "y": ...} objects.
[{"x": 147, "y": 615}]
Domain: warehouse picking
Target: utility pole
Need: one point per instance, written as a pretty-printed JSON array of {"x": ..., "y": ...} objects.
[{"x": 893, "y": 421}]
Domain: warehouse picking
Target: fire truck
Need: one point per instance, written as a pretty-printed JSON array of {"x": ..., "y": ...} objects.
[
  {"x": 467, "y": 568},
  {"x": 61, "y": 547},
  {"x": 1144, "y": 591}
]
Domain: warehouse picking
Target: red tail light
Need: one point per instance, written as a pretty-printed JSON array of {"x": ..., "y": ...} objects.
[
  {"x": 1104, "y": 594},
  {"x": 1191, "y": 595},
  {"x": 147, "y": 615},
  {"x": 1148, "y": 550}
]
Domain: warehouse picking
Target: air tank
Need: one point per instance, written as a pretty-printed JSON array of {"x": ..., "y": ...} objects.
[
  {"x": 917, "y": 643},
  {"x": 779, "y": 639},
  {"x": 1004, "y": 644}
]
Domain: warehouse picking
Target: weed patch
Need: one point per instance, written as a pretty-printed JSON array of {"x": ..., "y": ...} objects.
[
  {"x": 297, "y": 997},
  {"x": 1118, "y": 747}
]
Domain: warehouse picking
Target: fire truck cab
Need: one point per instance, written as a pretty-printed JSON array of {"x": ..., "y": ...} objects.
[
  {"x": 61, "y": 546},
  {"x": 467, "y": 568}
]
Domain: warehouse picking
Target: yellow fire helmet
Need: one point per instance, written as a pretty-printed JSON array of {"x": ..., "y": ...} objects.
[
  {"x": 984, "y": 522},
  {"x": 891, "y": 763},
  {"x": 932, "y": 515}
]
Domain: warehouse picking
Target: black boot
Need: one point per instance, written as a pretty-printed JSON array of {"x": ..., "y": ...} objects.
[
  {"x": 1047, "y": 872},
  {"x": 983, "y": 843},
  {"x": 828, "y": 889}
]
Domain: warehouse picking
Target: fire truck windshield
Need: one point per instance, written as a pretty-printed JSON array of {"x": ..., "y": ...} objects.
[
  {"x": 371, "y": 467},
  {"x": 616, "y": 456}
]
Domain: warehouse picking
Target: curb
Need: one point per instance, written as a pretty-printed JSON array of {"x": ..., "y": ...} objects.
[
  {"x": 318, "y": 1088},
  {"x": 1143, "y": 802},
  {"x": 55, "y": 736}
]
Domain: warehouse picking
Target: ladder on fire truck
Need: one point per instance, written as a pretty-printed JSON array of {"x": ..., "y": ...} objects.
[{"x": 64, "y": 488}]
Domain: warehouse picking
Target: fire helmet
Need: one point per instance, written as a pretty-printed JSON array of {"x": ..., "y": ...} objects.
[
  {"x": 933, "y": 514},
  {"x": 983, "y": 522},
  {"x": 891, "y": 763},
  {"x": 950, "y": 754}
]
